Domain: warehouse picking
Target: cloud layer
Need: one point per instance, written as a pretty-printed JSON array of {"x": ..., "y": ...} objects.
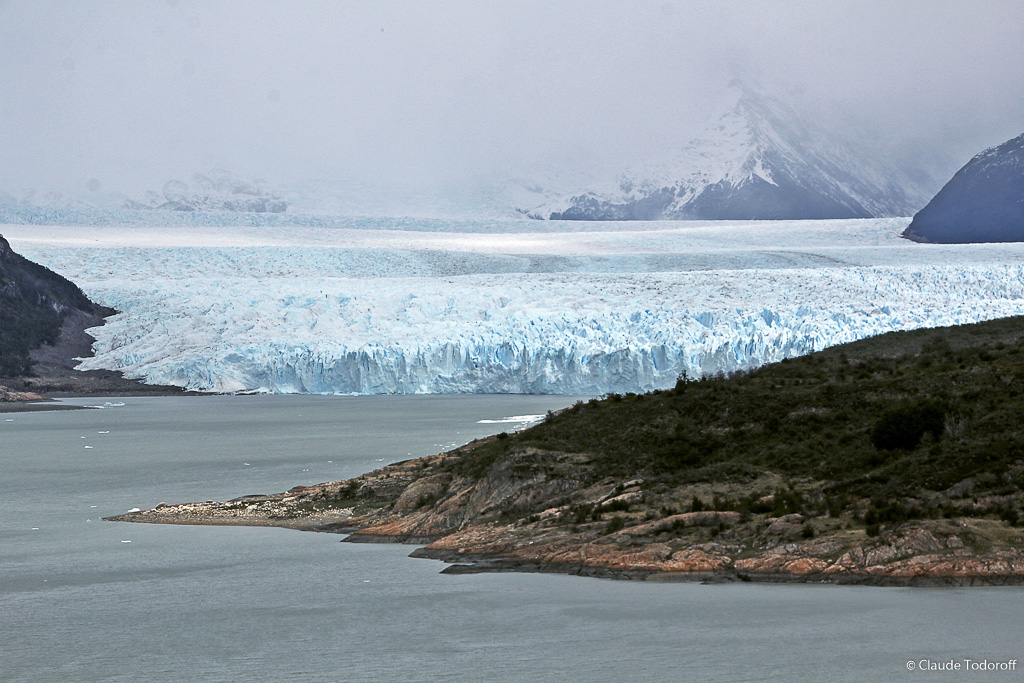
[{"x": 129, "y": 94}]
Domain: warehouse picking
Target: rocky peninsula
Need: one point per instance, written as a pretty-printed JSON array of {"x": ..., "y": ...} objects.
[
  {"x": 396, "y": 504},
  {"x": 895, "y": 460}
]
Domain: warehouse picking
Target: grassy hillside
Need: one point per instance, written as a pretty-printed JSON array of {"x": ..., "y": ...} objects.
[
  {"x": 896, "y": 460},
  {"x": 901, "y": 419}
]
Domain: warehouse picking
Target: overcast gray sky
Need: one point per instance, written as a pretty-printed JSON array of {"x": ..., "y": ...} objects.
[{"x": 133, "y": 93}]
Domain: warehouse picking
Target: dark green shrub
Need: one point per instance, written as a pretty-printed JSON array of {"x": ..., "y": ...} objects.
[
  {"x": 580, "y": 513},
  {"x": 615, "y": 506},
  {"x": 903, "y": 426}
]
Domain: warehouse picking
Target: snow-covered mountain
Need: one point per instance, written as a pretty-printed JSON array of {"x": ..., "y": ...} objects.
[
  {"x": 983, "y": 202},
  {"x": 760, "y": 159}
]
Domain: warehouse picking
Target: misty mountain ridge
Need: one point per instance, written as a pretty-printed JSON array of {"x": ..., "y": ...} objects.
[
  {"x": 220, "y": 190},
  {"x": 759, "y": 159},
  {"x": 983, "y": 202},
  {"x": 216, "y": 191}
]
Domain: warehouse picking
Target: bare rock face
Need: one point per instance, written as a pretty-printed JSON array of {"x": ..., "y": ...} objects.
[
  {"x": 686, "y": 519},
  {"x": 9, "y": 396},
  {"x": 422, "y": 492}
]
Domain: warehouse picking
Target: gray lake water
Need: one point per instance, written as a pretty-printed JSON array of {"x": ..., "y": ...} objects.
[{"x": 87, "y": 600}]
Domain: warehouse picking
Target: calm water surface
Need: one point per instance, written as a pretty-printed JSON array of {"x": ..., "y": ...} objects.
[{"x": 79, "y": 602}]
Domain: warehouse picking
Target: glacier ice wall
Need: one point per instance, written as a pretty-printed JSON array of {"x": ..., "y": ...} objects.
[{"x": 344, "y": 320}]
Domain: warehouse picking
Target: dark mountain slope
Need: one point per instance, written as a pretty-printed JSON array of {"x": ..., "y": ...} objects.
[
  {"x": 43, "y": 323},
  {"x": 983, "y": 202},
  {"x": 34, "y": 303}
]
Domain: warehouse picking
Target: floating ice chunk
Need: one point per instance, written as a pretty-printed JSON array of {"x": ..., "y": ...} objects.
[
  {"x": 88, "y": 446},
  {"x": 135, "y": 510},
  {"x": 9, "y": 420},
  {"x": 512, "y": 419},
  {"x": 125, "y": 541},
  {"x": 106, "y": 432}
]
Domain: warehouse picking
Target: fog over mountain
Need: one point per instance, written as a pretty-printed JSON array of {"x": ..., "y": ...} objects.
[
  {"x": 759, "y": 160},
  {"x": 328, "y": 103}
]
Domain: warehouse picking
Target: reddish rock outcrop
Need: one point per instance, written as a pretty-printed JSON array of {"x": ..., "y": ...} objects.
[{"x": 518, "y": 516}]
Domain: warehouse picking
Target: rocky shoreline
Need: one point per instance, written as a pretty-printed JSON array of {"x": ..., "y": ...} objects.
[{"x": 458, "y": 520}]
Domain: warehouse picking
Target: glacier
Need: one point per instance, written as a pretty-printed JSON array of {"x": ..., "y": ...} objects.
[{"x": 615, "y": 307}]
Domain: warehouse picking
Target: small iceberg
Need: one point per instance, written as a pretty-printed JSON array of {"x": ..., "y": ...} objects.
[
  {"x": 511, "y": 419},
  {"x": 135, "y": 510}
]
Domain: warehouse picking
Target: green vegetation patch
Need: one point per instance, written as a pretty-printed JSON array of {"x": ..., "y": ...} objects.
[{"x": 898, "y": 415}]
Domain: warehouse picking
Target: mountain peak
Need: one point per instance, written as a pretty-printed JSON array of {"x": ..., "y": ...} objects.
[{"x": 760, "y": 158}]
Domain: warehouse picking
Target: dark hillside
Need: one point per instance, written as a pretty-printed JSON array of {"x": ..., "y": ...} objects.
[
  {"x": 34, "y": 302},
  {"x": 983, "y": 202},
  {"x": 899, "y": 414}
]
